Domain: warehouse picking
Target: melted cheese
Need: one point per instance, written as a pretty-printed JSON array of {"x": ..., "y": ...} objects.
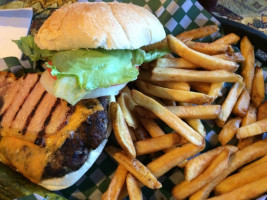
[{"x": 30, "y": 159}]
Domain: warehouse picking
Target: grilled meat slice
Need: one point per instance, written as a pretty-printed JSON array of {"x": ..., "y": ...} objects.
[{"x": 32, "y": 115}]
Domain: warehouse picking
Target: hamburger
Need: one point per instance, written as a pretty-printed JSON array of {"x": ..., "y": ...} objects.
[{"x": 55, "y": 125}]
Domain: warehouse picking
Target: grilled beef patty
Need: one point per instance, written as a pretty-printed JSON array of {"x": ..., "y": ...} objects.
[{"x": 32, "y": 114}]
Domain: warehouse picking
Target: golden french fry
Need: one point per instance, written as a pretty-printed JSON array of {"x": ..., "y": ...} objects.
[
  {"x": 116, "y": 184},
  {"x": 158, "y": 45},
  {"x": 152, "y": 127},
  {"x": 216, "y": 90},
  {"x": 197, "y": 125},
  {"x": 202, "y": 60},
  {"x": 133, "y": 188},
  {"x": 250, "y": 117},
  {"x": 234, "y": 57},
  {"x": 121, "y": 130},
  {"x": 127, "y": 106},
  {"x": 241, "y": 107},
  {"x": 248, "y": 191},
  {"x": 200, "y": 87},
  {"x": 155, "y": 144},
  {"x": 242, "y": 178},
  {"x": 199, "y": 32},
  {"x": 229, "y": 129},
  {"x": 198, "y": 164},
  {"x": 183, "y": 75},
  {"x": 258, "y": 89},
  {"x": 229, "y": 103},
  {"x": 229, "y": 39},
  {"x": 174, "y": 63},
  {"x": 254, "y": 164},
  {"x": 247, "y": 67},
  {"x": 196, "y": 111},
  {"x": 135, "y": 167},
  {"x": 185, "y": 112},
  {"x": 141, "y": 133},
  {"x": 217, "y": 166},
  {"x": 172, "y": 158},
  {"x": 171, "y": 94},
  {"x": 168, "y": 117},
  {"x": 252, "y": 129},
  {"x": 209, "y": 48},
  {"x": 262, "y": 111},
  {"x": 238, "y": 159},
  {"x": 146, "y": 76},
  {"x": 173, "y": 85},
  {"x": 182, "y": 164}
]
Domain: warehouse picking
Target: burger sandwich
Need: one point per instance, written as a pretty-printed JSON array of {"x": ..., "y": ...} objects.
[{"x": 55, "y": 124}]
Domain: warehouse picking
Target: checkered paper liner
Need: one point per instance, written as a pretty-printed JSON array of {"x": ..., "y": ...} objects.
[{"x": 176, "y": 16}]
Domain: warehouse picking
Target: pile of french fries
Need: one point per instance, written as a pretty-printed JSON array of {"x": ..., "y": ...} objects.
[{"x": 181, "y": 91}]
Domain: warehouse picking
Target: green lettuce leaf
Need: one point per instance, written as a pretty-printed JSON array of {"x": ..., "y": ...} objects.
[{"x": 80, "y": 71}]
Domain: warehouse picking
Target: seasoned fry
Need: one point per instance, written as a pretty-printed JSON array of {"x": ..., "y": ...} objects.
[
  {"x": 262, "y": 111},
  {"x": 241, "y": 107},
  {"x": 247, "y": 67},
  {"x": 235, "y": 57},
  {"x": 196, "y": 111},
  {"x": 168, "y": 117},
  {"x": 250, "y": 117},
  {"x": 258, "y": 90},
  {"x": 135, "y": 167},
  {"x": 199, "y": 59},
  {"x": 133, "y": 188},
  {"x": 255, "y": 128},
  {"x": 146, "y": 76},
  {"x": 248, "y": 191},
  {"x": 229, "y": 39},
  {"x": 197, "y": 125},
  {"x": 173, "y": 85},
  {"x": 199, "y": 32},
  {"x": 254, "y": 164},
  {"x": 198, "y": 164},
  {"x": 172, "y": 158},
  {"x": 242, "y": 178},
  {"x": 127, "y": 106},
  {"x": 200, "y": 87},
  {"x": 217, "y": 166},
  {"x": 216, "y": 90},
  {"x": 126, "y": 90},
  {"x": 116, "y": 184},
  {"x": 229, "y": 103},
  {"x": 240, "y": 158},
  {"x": 229, "y": 129},
  {"x": 209, "y": 48},
  {"x": 183, "y": 75},
  {"x": 121, "y": 130},
  {"x": 174, "y": 63},
  {"x": 171, "y": 94},
  {"x": 155, "y": 144},
  {"x": 152, "y": 128},
  {"x": 185, "y": 112}
]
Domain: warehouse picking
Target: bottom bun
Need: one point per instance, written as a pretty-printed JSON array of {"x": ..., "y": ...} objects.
[{"x": 71, "y": 178}]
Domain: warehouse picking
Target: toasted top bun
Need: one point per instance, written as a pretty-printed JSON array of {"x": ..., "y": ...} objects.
[{"x": 99, "y": 25}]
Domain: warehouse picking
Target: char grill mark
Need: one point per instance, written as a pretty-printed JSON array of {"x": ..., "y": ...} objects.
[
  {"x": 28, "y": 106},
  {"x": 41, "y": 113},
  {"x": 59, "y": 117},
  {"x": 19, "y": 99}
]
